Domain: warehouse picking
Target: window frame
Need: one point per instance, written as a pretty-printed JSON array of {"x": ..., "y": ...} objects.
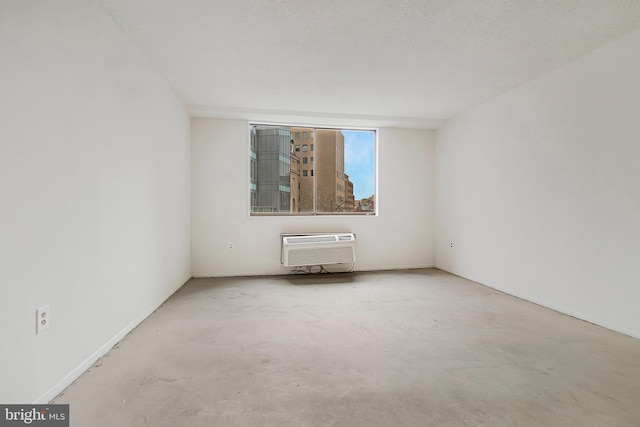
[{"x": 315, "y": 213}]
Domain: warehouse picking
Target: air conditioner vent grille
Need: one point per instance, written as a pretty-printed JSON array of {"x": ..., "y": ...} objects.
[
  {"x": 310, "y": 239},
  {"x": 310, "y": 250}
]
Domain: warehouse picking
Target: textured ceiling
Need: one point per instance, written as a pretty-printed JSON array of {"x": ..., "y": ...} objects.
[{"x": 406, "y": 62}]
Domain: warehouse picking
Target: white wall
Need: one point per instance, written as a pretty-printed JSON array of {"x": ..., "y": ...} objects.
[
  {"x": 400, "y": 237},
  {"x": 539, "y": 190},
  {"x": 94, "y": 192}
]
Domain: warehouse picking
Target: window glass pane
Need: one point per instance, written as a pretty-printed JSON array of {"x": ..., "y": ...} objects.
[
  {"x": 345, "y": 165},
  {"x": 358, "y": 160},
  {"x": 339, "y": 178}
]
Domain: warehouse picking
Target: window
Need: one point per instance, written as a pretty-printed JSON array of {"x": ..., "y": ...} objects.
[{"x": 338, "y": 178}]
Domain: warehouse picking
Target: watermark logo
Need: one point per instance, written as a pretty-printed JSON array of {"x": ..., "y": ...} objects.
[{"x": 34, "y": 415}]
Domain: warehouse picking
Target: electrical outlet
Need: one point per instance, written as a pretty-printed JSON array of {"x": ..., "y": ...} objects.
[
  {"x": 451, "y": 244},
  {"x": 230, "y": 246},
  {"x": 42, "y": 318}
]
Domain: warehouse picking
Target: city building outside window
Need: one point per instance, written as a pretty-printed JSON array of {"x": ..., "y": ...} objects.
[{"x": 339, "y": 179}]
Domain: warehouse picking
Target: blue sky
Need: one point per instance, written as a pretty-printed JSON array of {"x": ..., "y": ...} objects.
[{"x": 359, "y": 161}]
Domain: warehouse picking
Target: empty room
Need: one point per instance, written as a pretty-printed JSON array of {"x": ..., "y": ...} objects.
[{"x": 319, "y": 213}]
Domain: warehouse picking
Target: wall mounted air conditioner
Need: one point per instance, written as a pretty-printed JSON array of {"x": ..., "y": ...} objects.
[{"x": 318, "y": 249}]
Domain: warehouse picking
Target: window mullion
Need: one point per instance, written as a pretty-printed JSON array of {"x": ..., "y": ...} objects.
[{"x": 314, "y": 175}]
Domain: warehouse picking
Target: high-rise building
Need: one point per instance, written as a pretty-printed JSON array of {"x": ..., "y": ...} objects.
[
  {"x": 271, "y": 169},
  {"x": 303, "y": 148},
  {"x": 322, "y": 158},
  {"x": 295, "y": 179},
  {"x": 330, "y": 185}
]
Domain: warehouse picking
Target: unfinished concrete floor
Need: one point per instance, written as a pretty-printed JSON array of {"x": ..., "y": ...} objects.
[{"x": 405, "y": 348}]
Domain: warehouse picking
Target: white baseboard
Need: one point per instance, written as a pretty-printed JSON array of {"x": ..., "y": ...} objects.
[
  {"x": 555, "y": 307},
  {"x": 91, "y": 360}
]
